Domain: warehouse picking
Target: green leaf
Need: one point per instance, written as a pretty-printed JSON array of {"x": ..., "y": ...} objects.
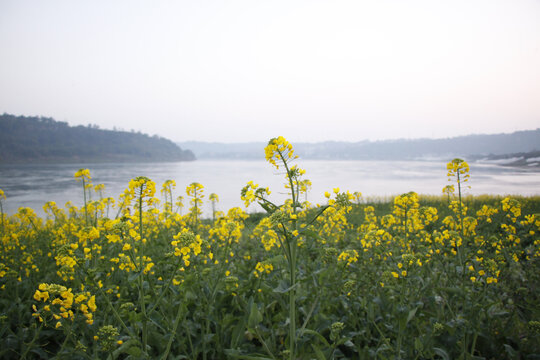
[
  {"x": 133, "y": 276},
  {"x": 255, "y": 316},
  {"x": 451, "y": 290},
  {"x": 318, "y": 336},
  {"x": 318, "y": 352},
  {"x": 418, "y": 345},
  {"x": 411, "y": 314},
  {"x": 269, "y": 208},
  {"x": 513, "y": 354},
  {"x": 235, "y": 354},
  {"x": 441, "y": 353},
  {"x": 283, "y": 288},
  {"x": 134, "y": 351},
  {"x": 129, "y": 347},
  {"x": 238, "y": 332}
]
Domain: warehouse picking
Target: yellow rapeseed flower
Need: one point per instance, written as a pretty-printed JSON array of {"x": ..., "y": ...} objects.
[
  {"x": 279, "y": 149},
  {"x": 82, "y": 174}
]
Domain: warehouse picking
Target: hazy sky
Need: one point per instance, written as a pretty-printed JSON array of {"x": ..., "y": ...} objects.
[{"x": 248, "y": 70}]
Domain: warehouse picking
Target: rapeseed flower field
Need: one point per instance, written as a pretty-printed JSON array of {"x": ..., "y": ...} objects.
[{"x": 421, "y": 277}]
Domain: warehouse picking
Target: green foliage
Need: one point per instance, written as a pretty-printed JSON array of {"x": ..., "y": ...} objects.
[{"x": 38, "y": 139}]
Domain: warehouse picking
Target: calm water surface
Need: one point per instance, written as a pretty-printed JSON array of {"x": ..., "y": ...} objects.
[{"x": 33, "y": 185}]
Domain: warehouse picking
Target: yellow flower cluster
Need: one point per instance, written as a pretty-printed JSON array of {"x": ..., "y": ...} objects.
[
  {"x": 265, "y": 233},
  {"x": 195, "y": 190},
  {"x": 349, "y": 256},
  {"x": 455, "y": 206},
  {"x": 184, "y": 243},
  {"x": 142, "y": 187},
  {"x": 333, "y": 225},
  {"x": 66, "y": 264},
  {"x": 60, "y": 302},
  {"x": 512, "y": 207},
  {"x": 226, "y": 231},
  {"x": 167, "y": 186},
  {"x": 279, "y": 149},
  {"x": 448, "y": 190},
  {"x": 166, "y": 191},
  {"x": 406, "y": 203},
  {"x": 263, "y": 267},
  {"x": 252, "y": 192},
  {"x": 82, "y": 174},
  {"x": 486, "y": 213},
  {"x": 458, "y": 167}
]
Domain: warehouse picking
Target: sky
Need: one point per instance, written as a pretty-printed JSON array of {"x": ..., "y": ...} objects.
[{"x": 248, "y": 70}]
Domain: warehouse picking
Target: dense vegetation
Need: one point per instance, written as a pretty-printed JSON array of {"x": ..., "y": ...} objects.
[
  {"x": 478, "y": 146},
  {"x": 420, "y": 278},
  {"x": 38, "y": 139}
]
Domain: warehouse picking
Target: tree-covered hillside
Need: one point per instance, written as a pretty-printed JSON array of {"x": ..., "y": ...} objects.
[{"x": 41, "y": 139}]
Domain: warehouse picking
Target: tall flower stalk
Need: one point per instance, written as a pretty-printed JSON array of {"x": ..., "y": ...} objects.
[
  {"x": 195, "y": 191},
  {"x": 84, "y": 176},
  {"x": 2, "y": 197},
  {"x": 142, "y": 190},
  {"x": 458, "y": 169},
  {"x": 279, "y": 152},
  {"x": 166, "y": 191},
  {"x": 214, "y": 199}
]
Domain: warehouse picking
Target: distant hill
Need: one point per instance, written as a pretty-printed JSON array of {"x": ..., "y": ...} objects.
[
  {"x": 476, "y": 146},
  {"x": 41, "y": 139}
]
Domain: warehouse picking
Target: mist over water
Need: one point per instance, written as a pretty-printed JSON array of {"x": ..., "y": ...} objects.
[{"x": 33, "y": 185}]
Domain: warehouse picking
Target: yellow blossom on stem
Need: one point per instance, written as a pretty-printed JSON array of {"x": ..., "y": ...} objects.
[{"x": 279, "y": 149}]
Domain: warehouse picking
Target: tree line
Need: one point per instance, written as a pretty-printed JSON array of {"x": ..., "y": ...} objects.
[{"x": 42, "y": 139}]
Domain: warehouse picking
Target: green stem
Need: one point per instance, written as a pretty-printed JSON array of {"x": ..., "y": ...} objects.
[
  {"x": 170, "y": 197},
  {"x": 323, "y": 209},
  {"x": 384, "y": 338},
  {"x": 176, "y": 323},
  {"x": 407, "y": 221},
  {"x": 292, "y": 267},
  {"x": 259, "y": 336},
  {"x": 461, "y": 222},
  {"x": 140, "y": 278},
  {"x": 474, "y": 343},
  {"x": 192, "y": 352},
  {"x": 65, "y": 341},
  {"x": 144, "y": 316},
  {"x": 84, "y": 196},
  {"x": 292, "y": 305},
  {"x": 115, "y": 313},
  {"x": 460, "y": 208},
  {"x": 2, "y": 216},
  {"x": 301, "y": 331},
  {"x": 29, "y": 346},
  {"x": 195, "y": 211},
  {"x": 206, "y": 332}
]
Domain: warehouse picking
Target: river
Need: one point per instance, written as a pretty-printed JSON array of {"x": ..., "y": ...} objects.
[{"x": 33, "y": 185}]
